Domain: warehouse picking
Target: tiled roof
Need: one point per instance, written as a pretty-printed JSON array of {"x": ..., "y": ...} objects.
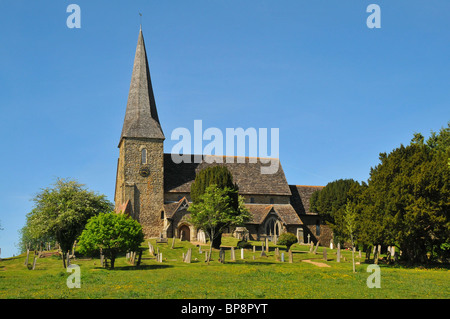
[
  {"x": 285, "y": 211},
  {"x": 247, "y": 175},
  {"x": 301, "y": 195}
]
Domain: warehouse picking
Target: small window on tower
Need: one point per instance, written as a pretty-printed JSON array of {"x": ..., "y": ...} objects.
[{"x": 144, "y": 156}]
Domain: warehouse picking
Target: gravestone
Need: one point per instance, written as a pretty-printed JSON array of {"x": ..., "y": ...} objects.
[
  {"x": 263, "y": 254},
  {"x": 160, "y": 258},
  {"x": 311, "y": 246},
  {"x": 151, "y": 250},
  {"x": 254, "y": 249},
  {"x": 267, "y": 244},
  {"x": 242, "y": 253},
  {"x": 233, "y": 257},
  {"x": 277, "y": 253},
  {"x": 221, "y": 256},
  {"x": 315, "y": 249},
  {"x": 282, "y": 257},
  {"x": 309, "y": 238},
  {"x": 324, "y": 253},
  {"x": 188, "y": 256},
  {"x": 291, "y": 257}
]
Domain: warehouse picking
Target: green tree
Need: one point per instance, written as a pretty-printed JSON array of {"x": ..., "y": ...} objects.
[
  {"x": 60, "y": 213},
  {"x": 408, "y": 194},
  {"x": 287, "y": 239},
  {"x": 113, "y": 233},
  {"x": 213, "y": 213},
  {"x": 330, "y": 202},
  {"x": 221, "y": 177}
]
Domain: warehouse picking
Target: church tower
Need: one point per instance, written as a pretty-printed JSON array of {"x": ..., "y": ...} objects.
[{"x": 140, "y": 168}]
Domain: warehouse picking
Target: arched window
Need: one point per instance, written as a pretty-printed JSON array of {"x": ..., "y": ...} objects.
[
  {"x": 273, "y": 227},
  {"x": 144, "y": 156}
]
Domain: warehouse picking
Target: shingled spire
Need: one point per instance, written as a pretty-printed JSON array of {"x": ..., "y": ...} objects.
[{"x": 141, "y": 117}]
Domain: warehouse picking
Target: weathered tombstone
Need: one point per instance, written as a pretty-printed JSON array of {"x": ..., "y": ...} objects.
[
  {"x": 309, "y": 238},
  {"x": 221, "y": 256},
  {"x": 233, "y": 256},
  {"x": 277, "y": 253},
  {"x": 160, "y": 258},
  {"x": 282, "y": 257},
  {"x": 338, "y": 253},
  {"x": 311, "y": 247},
  {"x": 188, "y": 257},
  {"x": 291, "y": 257},
  {"x": 263, "y": 254},
  {"x": 315, "y": 249},
  {"x": 254, "y": 249},
  {"x": 324, "y": 253},
  {"x": 242, "y": 253},
  {"x": 151, "y": 250},
  {"x": 267, "y": 244}
]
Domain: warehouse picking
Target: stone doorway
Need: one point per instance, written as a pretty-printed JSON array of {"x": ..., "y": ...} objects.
[{"x": 184, "y": 233}]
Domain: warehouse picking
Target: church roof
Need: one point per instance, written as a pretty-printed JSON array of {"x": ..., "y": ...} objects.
[
  {"x": 301, "y": 195},
  {"x": 247, "y": 175},
  {"x": 141, "y": 117},
  {"x": 285, "y": 211}
]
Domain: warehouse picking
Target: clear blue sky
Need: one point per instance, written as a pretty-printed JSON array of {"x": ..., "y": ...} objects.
[{"x": 340, "y": 92}]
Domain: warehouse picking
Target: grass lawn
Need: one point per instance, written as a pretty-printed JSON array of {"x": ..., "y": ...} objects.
[{"x": 262, "y": 277}]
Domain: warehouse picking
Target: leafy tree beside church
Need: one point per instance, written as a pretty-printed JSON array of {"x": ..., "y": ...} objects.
[{"x": 216, "y": 204}]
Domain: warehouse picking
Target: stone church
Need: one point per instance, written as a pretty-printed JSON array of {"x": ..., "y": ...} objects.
[{"x": 154, "y": 190}]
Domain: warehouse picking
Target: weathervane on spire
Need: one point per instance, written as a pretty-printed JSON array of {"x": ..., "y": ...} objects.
[{"x": 140, "y": 18}]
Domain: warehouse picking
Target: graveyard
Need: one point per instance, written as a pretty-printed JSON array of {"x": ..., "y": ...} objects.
[{"x": 177, "y": 270}]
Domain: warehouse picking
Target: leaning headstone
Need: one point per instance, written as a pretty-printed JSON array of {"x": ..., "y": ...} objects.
[
  {"x": 233, "y": 256},
  {"x": 242, "y": 253},
  {"x": 160, "y": 258},
  {"x": 324, "y": 253},
  {"x": 311, "y": 246},
  {"x": 282, "y": 257},
  {"x": 188, "y": 256},
  {"x": 315, "y": 248},
  {"x": 206, "y": 255}
]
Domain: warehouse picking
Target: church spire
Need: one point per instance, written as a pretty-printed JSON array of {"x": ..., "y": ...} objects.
[{"x": 141, "y": 117}]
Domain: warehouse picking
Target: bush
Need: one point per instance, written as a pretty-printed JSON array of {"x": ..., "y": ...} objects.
[
  {"x": 287, "y": 239},
  {"x": 243, "y": 244}
]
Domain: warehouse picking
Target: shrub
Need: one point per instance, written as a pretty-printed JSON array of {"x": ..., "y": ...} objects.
[
  {"x": 287, "y": 239},
  {"x": 243, "y": 244}
]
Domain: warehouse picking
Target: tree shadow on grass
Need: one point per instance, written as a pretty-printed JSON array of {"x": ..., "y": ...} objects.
[{"x": 141, "y": 267}]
